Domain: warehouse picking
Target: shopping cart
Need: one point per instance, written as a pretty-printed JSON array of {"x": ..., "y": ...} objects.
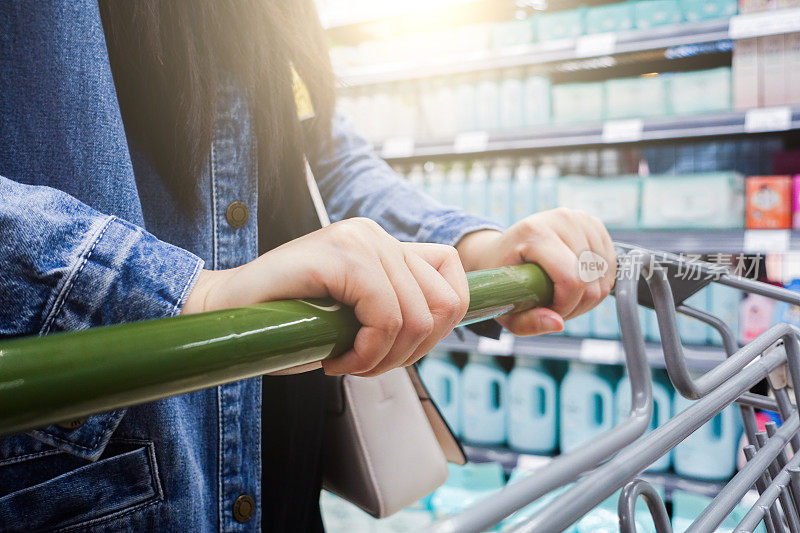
[{"x": 66, "y": 376}]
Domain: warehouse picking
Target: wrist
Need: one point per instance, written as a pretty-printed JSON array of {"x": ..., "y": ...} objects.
[
  {"x": 474, "y": 248},
  {"x": 198, "y": 299}
]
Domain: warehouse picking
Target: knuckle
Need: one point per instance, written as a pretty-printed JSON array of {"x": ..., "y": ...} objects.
[
  {"x": 392, "y": 323},
  {"x": 422, "y": 325},
  {"x": 361, "y": 363}
]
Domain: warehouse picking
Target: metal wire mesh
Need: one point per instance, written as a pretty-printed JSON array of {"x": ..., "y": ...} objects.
[{"x": 613, "y": 460}]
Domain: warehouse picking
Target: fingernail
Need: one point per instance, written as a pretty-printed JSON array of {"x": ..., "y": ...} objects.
[{"x": 551, "y": 325}]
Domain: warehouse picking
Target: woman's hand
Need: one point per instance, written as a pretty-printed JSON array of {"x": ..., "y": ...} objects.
[
  {"x": 406, "y": 296},
  {"x": 554, "y": 240}
]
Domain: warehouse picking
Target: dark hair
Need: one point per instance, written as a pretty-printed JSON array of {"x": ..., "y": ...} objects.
[{"x": 166, "y": 56}]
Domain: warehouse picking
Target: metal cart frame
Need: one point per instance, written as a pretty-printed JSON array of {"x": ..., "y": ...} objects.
[{"x": 613, "y": 460}]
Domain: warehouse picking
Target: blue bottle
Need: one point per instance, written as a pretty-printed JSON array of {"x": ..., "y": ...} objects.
[
  {"x": 443, "y": 381},
  {"x": 454, "y": 186},
  {"x": 579, "y": 326},
  {"x": 710, "y": 452},
  {"x": 693, "y": 331},
  {"x": 435, "y": 176},
  {"x": 500, "y": 192},
  {"x": 532, "y": 407},
  {"x": 725, "y": 302},
  {"x": 483, "y": 389},
  {"x": 586, "y": 404},
  {"x": 524, "y": 191},
  {"x": 662, "y": 407},
  {"x": 605, "y": 324},
  {"x": 477, "y": 197}
]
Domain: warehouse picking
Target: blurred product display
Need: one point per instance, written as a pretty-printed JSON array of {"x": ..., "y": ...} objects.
[{"x": 673, "y": 121}]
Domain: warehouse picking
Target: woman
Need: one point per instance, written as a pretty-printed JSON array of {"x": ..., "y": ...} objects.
[{"x": 152, "y": 163}]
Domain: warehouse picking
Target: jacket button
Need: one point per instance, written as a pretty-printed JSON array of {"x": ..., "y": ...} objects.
[
  {"x": 237, "y": 214},
  {"x": 244, "y": 508},
  {"x": 71, "y": 424}
]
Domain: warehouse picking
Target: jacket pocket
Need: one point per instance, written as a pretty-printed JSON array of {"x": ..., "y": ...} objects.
[{"x": 125, "y": 477}]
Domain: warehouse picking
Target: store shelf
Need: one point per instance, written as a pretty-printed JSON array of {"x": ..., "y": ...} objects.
[
  {"x": 606, "y": 133},
  {"x": 382, "y": 11},
  {"x": 560, "y": 347},
  {"x": 542, "y": 53},
  {"x": 712, "y": 241},
  {"x": 667, "y": 481}
]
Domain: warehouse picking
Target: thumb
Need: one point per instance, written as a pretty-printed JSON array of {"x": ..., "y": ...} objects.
[{"x": 533, "y": 322}]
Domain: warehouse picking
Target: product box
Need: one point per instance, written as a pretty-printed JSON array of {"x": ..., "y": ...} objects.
[
  {"x": 791, "y": 58},
  {"x": 653, "y": 13},
  {"x": 769, "y": 202},
  {"x": 745, "y": 73},
  {"x": 610, "y": 18},
  {"x": 615, "y": 201},
  {"x": 698, "y": 201},
  {"x": 578, "y": 102},
  {"x": 700, "y": 91},
  {"x": 536, "y": 99},
  {"x": 772, "y": 73},
  {"x": 699, "y": 10},
  {"x": 636, "y": 97},
  {"x": 796, "y": 202},
  {"x": 561, "y": 24}
]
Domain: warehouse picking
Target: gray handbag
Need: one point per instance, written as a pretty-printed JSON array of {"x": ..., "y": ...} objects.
[{"x": 385, "y": 444}]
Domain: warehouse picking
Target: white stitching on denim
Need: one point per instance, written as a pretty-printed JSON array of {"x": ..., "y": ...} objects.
[
  {"x": 215, "y": 235},
  {"x": 72, "y": 276},
  {"x": 22, "y": 458},
  {"x": 220, "y": 484}
]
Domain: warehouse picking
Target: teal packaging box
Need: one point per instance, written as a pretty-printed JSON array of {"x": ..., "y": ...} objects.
[
  {"x": 701, "y": 91},
  {"x": 610, "y": 18},
  {"x": 561, "y": 24},
  {"x": 700, "y": 10},
  {"x": 653, "y": 13},
  {"x": 636, "y": 97},
  {"x": 578, "y": 102}
]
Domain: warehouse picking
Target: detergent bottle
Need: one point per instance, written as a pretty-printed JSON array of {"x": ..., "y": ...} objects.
[{"x": 532, "y": 407}]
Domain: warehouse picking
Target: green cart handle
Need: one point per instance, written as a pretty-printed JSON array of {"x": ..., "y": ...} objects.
[{"x": 65, "y": 376}]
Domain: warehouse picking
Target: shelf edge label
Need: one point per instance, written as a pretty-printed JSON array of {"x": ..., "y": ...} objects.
[
  {"x": 600, "y": 351},
  {"x": 768, "y": 119},
  {"x": 766, "y": 240},
  {"x": 502, "y": 346},
  {"x": 599, "y": 44},
  {"x": 471, "y": 141},
  {"x": 397, "y": 147},
  {"x": 764, "y": 23},
  {"x": 615, "y": 131}
]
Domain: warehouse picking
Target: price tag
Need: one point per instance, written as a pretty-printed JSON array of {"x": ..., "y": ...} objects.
[
  {"x": 502, "y": 346},
  {"x": 615, "y": 131},
  {"x": 766, "y": 240},
  {"x": 397, "y": 147},
  {"x": 764, "y": 23},
  {"x": 600, "y": 351},
  {"x": 470, "y": 142},
  {"x": 529, "y": 463},
  {"x": 600, "y": 44},
  {"x": 768, "y": 119}
]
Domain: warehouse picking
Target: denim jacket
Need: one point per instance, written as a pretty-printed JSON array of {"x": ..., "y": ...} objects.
[{"x": 90, "y": 236}]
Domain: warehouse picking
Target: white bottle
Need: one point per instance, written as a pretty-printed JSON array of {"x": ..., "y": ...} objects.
[
  {"x": 523, "y": 190},
  {"x": 487, "y": 102},
  {"x": 500, "y": 192},
  {"x": 586, "y": 404},
  {"x": 466, "y": 103},
  {"x": 536, "y": 97},
  {"x": 547, "y": 186},
  {"x": 512, "y": 112}
]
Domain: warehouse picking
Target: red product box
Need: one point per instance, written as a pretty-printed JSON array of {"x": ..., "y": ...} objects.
[{"x": 769, "y": 202}]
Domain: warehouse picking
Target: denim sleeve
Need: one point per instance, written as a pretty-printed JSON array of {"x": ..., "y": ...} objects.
[
  {"x": 65, "y": 266},
  {"x": 354, "y": 181}
]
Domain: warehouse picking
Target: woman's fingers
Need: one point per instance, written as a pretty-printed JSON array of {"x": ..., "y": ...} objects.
[{"x": 533, "y": 322}]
